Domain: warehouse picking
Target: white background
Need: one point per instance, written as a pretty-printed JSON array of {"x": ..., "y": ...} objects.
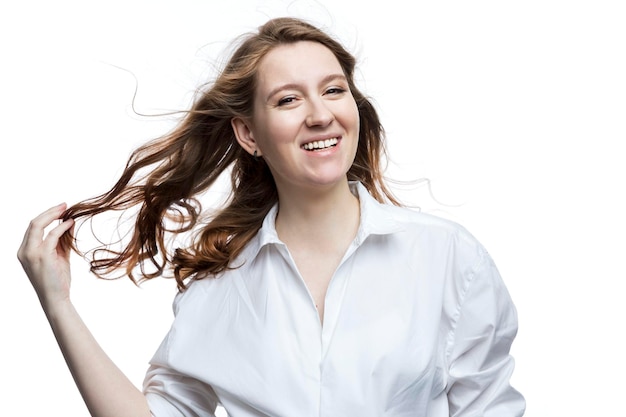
[{"x": 514, "y": 110}]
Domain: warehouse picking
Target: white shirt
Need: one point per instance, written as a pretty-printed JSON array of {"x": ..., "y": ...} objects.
[{"x": 417, "y": 323}]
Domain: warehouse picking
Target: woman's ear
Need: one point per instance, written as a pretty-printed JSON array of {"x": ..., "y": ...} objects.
[{"x": 244, "y": 136}]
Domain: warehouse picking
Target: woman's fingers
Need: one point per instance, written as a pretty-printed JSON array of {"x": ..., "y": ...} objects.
[
  {"x": 35, "y": 230},
  {"x": 46, "y": 263},
  {"x": 52, "y": 239}
]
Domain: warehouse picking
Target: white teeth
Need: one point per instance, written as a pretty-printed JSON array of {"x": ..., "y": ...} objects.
[{"x": 320, "y": 144}]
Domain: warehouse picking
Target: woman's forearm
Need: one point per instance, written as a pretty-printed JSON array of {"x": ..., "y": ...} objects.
[{"x": 104, "y": 388}]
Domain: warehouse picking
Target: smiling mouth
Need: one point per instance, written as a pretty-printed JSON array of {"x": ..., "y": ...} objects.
[{"x": 319, "y": 145}]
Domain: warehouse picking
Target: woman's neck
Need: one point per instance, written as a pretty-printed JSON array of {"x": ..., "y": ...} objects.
[{"x": 326, "y": 217}]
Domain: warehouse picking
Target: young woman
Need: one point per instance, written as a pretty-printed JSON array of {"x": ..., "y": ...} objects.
[{"x": 308, "y": 293}]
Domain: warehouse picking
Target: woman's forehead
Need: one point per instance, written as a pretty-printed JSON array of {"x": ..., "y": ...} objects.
[{"x": 299, "y": 62}]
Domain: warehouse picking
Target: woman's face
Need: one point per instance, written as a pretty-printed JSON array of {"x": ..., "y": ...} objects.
[{"x": 306, "y": 122}]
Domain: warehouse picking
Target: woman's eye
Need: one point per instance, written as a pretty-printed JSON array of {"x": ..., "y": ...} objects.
[
  {"x": 335, "y": 90},
  {"x": 286, "y": 100}
]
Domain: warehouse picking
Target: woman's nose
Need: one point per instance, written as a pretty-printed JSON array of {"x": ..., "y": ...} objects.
[{"x": 319, "y": 115}]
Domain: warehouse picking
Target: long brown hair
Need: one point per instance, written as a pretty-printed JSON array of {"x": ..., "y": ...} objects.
[{"x": 187, "y": 161}]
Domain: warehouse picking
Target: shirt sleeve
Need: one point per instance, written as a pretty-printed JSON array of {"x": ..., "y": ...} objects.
[
  {"x": 171, "y": 394},
  {"x": 480, "y": 365}
]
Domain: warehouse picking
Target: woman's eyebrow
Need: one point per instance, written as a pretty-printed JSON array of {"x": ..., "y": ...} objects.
[{"x": 295, "y": 86}]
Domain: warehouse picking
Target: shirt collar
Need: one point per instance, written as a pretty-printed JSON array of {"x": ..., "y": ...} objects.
[{"x": 376, "y": 219}]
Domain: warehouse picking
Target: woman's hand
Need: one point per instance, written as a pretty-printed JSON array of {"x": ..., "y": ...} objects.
[{"x": 44, "y": 260}]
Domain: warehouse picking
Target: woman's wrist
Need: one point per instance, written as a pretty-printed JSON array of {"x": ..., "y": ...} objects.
[{"x": 57, "y": 308}]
